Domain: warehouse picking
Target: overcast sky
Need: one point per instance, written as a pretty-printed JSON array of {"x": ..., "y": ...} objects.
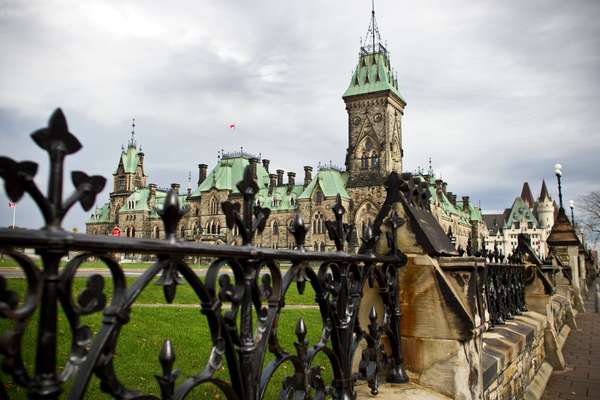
[{"x": 497, "y": 91}]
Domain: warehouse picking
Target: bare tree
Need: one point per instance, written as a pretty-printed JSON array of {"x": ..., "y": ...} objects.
[{"x": 590, "y": 221}]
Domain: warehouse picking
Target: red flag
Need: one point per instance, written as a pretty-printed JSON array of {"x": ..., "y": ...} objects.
[
  {"x": 231, "y": 126},
  {"x": 11, "y": 204}
]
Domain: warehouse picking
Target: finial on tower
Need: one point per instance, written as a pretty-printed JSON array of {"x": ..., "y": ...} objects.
[
  {"x": 373, "y": 36},
  {"x": 132, "y": 142}
]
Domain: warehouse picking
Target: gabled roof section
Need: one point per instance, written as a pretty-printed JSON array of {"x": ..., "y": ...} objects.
[
  {"x": 373, "y": 74},
  {"x": 526, "y": 195},
  {"x": 284, "y": 201},
  {"x": 227, "y": 174},
  {"x": 130, "y": 158},
  {"x": 331, "y": 181},
  {"x": 494, "y": 222},
  {"x": 520, "y": 210},
  {"x": 544, "y": 193},
  {"x": 101, "y": 215},
  {"x": 139, "y": 199}
]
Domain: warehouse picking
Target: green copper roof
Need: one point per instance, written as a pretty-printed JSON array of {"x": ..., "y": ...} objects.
[
  {"x": 280, "y": 199},
  {"x": 129, "y": 158},
  {"x": 372, "y": 74},
  {"x": 228, "y": 173},
  {"x": 139, "y": 199},
  {"x": 518, "y": 212},
  {"x": 101, "y": 215},
  {"x": 331, "y": 182}
]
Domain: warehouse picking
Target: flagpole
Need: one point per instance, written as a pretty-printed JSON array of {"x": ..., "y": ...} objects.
[{"x": 14, "y": 215}]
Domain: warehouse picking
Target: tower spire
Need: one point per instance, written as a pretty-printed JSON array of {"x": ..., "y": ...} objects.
[
  {"x": 373, "y": 36},
  {"x": 132, "y": 142}
]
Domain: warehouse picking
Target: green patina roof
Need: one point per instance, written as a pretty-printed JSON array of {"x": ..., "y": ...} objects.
[
  {"x": 331, "y": 182},
  {"x": 129, "y": 158},
  {"x": 228, "y": 173},
  {"x": 140, "y": 199},
  {"x": 519, "y": 211},
  {"x": 372, "y": 74},
  {"x": 101, "y": 215},
  {"x": 280, "y": 193}
]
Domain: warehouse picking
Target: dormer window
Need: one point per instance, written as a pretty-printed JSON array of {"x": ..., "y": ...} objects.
[{"x": 319, "y": 197}]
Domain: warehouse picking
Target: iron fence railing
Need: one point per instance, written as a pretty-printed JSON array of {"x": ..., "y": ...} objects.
[
  {"x": 505, "y": 291},
  {"x": 246, "y": 278}
]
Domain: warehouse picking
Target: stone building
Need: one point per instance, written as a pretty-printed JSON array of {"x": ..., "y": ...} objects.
[
  {"x": 375, "y": 109},
  {"x": 534, "y": 218}
]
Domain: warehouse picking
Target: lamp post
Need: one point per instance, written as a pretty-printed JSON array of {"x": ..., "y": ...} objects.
[
  {"x": 558, "y": 172},
  {"x": 572, "y": 205}
]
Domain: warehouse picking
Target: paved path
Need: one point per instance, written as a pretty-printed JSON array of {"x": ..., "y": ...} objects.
[
  {"x": 14, "y": 272},
  {"x": 581, "y": 379}
]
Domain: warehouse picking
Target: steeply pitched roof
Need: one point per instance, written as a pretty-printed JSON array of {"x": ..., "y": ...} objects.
[
  {"x": 526, "y": 195},
  {"x": 331, "y": 182},
  {"x": 227, "y": 174},
  {"x": 520, "y": 210},
  {"x": 285, "y": 201},
  {"x": 494, "y": 222},
  {"x": 373, "y": 74},
  {"x": 544, "y": 192},
  {"x": 130, "y": 159},
  {"x": 139, "y": 200},
  {"x": 100, "y": 215}
]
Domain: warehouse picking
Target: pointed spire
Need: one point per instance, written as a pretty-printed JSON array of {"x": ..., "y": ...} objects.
[
  {"x": 544, "y": 195},
  {"x": 526, "y": 195},
  {"x": 372, "y": 43},
  {"x": 132, "y": 142}
]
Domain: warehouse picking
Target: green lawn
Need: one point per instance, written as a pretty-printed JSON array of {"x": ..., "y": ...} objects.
[
  {"x": 7, "y": 262},
  {"x": 153, "y": 294},
  {"x": 141, "y": 339}
]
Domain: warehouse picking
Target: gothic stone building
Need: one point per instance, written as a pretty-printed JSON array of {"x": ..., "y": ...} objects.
[
  {"x": 534, "y": 218},
  {"x": 375, "y": 109}
]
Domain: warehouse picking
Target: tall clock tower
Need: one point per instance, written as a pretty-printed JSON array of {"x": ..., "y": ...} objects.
[{"x": 375, "y": 109}]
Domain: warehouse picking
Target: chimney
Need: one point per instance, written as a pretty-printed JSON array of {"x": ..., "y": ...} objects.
[
  {"x": 453, "y": 199},
  {"x": 291, "y": 181},
  {"x": 265, "y": 163},
  {"x": 202, "y": 168},
  {"x": 152, "y": 195},
  {"x": 272, "y": 182},
  {"x": 444, "y": 187},
  {"x": 449, "y": 196},
  {"x": 307, "y": 175},
  {"x": 189, "y": 191},
  {"x": 253, "y": 161},
  {"x": 438, "y": 185},
  {"x": 465, "y": 203},
  {"x": 279, "y": 177},
  {"x": 175, "y": 187}
]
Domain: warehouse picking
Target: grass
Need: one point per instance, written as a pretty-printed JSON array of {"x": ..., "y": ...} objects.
[
  {"x": 8, "y": 262},
  {"x": 140, "y": 341},
  {"x": 153, "y": 294}
]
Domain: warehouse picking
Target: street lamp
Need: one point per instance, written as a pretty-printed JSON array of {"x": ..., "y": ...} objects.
[
  {"x": 572, "y": 205},
  {"x": 558, "y": 172}
]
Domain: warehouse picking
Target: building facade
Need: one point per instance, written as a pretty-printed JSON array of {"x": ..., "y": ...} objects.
[
  {"x": 375, "y": 109},
  {"x": 534, "y": 218}
]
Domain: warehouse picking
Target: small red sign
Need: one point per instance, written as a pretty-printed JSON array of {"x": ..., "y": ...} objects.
[{"x": 116, "y": 231}]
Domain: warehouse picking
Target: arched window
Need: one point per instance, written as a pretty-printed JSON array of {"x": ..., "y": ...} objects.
[
  {"x": 218, "y": 228},
  {"x": 182, "y": 232},
  {"x": 121, "y": 183},
  {"x": 316, "y": 246},
  {"x": 213, "y": 206},
  {"x": 155, "y": 233},
  {"x": 292, "y": 201},
  {"x": 319, "y": 197},
  {"x": 318, "y": 224},
  {"x": 275, "y": 227},
  {"x": 132, "y": 232},
  {"x": 322, "y": 246},
  {"x": 364, "y": 161},
  {"x": 374, "y": 160}
]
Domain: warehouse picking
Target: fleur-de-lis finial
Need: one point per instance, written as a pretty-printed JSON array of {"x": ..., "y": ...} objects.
[{"x": 58, "y": 143}]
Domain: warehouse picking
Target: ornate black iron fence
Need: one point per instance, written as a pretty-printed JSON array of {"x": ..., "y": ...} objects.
[
  {"x": 253, "y": 285},
  {"x": 505, "y": 291}
]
